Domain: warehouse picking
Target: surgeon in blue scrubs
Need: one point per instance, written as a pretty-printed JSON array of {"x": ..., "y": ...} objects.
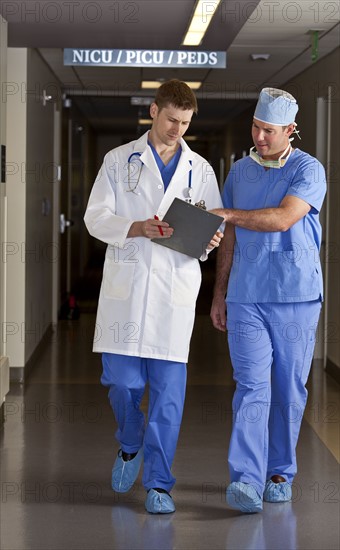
[{"x": 268, "y": 294}]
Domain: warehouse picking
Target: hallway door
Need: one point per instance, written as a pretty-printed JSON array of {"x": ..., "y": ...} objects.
[
  {"x": 56, "y": 213},
  {"x": 71, "y": 207}
]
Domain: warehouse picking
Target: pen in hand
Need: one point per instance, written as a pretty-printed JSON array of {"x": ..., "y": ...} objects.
[{"x": 159, "y": 227}]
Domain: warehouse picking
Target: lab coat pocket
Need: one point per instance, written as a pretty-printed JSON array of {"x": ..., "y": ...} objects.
[
  {"x": 185, "y": 286},
  {"x": 117, "y": 279}
]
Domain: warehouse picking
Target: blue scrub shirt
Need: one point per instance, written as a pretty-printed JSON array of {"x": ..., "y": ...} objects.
[
  {"x": 276, "y": 266},
  {"x": 166, "y": 170}
]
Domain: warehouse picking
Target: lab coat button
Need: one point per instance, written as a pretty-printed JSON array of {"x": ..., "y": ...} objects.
[{"x": 160, "y": 186}]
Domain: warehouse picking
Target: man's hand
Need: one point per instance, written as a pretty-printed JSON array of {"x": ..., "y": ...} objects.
[
  {"x": 150, "y": 229},
  {"x": 223, "y": 267},
  {"x": 215, "y": 241},
  {"x": 218, "y": 313}
]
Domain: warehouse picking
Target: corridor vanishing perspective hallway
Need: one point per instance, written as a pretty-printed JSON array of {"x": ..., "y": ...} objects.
[
  {"x": 80, "y": 86},
  {"x": 58, "y": 447}
]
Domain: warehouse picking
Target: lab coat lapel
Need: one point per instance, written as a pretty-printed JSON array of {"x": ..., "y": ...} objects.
[
  {"x": 147, "y": 158},
  {"x": 181, "y": 176},
  {"x": 180, "y": 180},
  {"x": 183, "y": 168}
]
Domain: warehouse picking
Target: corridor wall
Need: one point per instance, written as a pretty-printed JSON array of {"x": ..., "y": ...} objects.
[{"x": 31, "y": 175}]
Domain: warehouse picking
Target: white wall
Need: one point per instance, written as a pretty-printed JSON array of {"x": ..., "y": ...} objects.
[
  {"x": 16, "y": 197},
  {"x": 31, "y": 176},
  {"x": 41, "y": 251},
  {"x": 4, "y": 364}
]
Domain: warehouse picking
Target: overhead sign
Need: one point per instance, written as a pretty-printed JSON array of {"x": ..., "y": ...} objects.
[{"x": 146, "y": 58}]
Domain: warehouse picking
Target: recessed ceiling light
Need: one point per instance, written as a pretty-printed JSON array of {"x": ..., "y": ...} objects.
[
  {"x": 154, "y": 84},
  {"x": 261, "y": 56},
  {"x": 194, "y": 85},
  {"x": 150, "y": 84},
  {"x": 200, "y": 21},
  {"x": 136, "y": 100}
]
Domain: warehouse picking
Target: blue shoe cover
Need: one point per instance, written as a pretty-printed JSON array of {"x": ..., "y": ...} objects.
[
  {"x": 244, "y": 497},
  {"x": 159, "y": 503},
  {"x": 125, "y": 473},
  {"x": 277, "y": 492}
]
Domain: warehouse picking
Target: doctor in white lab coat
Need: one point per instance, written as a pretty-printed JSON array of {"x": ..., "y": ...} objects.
[{"x": 148, "y": 294}]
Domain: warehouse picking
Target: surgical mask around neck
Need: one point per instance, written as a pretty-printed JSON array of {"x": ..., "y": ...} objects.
[{"x": 270, "y": 163}]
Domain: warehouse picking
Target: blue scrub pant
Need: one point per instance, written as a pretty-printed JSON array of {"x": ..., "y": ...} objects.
[
  {"x": 127, "y": 377},
  {"x": 271, "y": 348}
]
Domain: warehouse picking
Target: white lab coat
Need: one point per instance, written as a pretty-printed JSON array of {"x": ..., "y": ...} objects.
[{"x": 148, "y": 293}]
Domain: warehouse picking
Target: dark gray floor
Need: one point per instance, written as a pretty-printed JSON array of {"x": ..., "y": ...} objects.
[{"x": 57, "y": 450}]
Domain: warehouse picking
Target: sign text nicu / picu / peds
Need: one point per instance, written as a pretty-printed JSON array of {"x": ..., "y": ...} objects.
[{"x": 146, "y": 58}]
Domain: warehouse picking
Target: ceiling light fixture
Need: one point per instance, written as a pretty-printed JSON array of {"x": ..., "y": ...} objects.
[
  {"x": 154, "y": 84},
  {"x": 200, "y": 21},
  {"x": 194, "y": 85},
  {"x": 190, "y": 138},
  {"x": 150, "y": 84},
  {"x": 145, "y": 121},
  {"x": 144, "y": 101},
  {"x": 260, "y": 56}
]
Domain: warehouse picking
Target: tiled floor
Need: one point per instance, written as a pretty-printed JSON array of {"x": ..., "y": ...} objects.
[{"x": 57, "y": 450}]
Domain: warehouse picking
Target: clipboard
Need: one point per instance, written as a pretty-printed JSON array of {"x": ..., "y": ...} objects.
[{"x": 193, "y": 228}]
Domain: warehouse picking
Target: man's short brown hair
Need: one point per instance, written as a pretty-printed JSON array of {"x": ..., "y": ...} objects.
[{"x": 177, "y": 93}]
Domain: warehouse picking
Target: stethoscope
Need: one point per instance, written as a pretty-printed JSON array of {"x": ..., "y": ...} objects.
[{"x": 132, "y": 189}]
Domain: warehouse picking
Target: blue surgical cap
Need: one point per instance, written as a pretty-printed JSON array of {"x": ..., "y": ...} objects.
[{"x": 276, "y": 107}]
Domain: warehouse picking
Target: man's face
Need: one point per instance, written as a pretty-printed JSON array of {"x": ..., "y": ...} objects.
[
  {"x": 270, "y": 140},
  {"x": 169, "y": 124}
]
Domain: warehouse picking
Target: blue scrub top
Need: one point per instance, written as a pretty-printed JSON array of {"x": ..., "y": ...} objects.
[
  {"x": 166, "y": 170},
  {"x": 276, "y": 266}
]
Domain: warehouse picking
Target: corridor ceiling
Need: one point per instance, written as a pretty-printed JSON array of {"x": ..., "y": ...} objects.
[{"x": 282, "y": 30}]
